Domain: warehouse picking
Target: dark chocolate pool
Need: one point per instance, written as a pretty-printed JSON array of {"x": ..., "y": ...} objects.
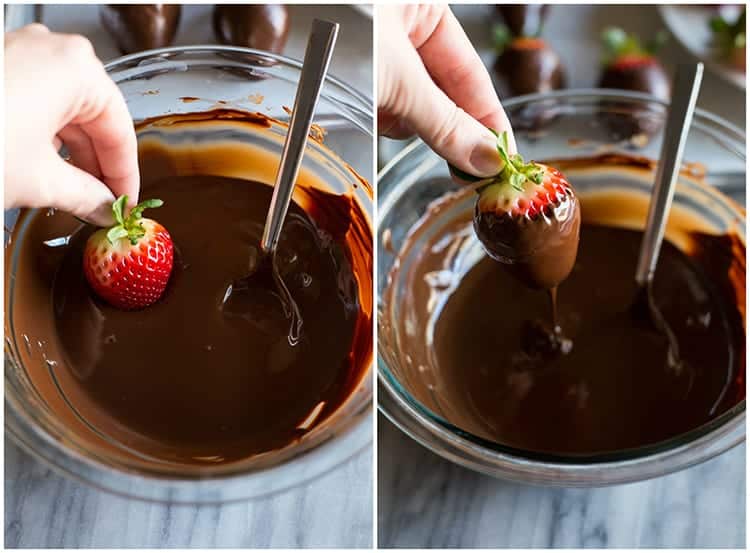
[
  {"x": 457, "y": 345},
  {"x": 180, "y": 381}
]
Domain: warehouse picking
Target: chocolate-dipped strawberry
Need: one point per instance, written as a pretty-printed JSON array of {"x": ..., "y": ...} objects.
[
  {"x": 137, "y": 27},
  {"x": 730, "y": 38},
  {"x": 528, "y": 217},
  {"x": 524, "y": 19},
  {"x": 629, "y": 65},
  {"x": 259, "y": 26},
  {"x": 527, "y": 65}
]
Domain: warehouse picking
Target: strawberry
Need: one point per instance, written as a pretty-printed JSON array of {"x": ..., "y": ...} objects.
[
  {"x": 628, "y": 65},
  {"x": 129, "y": 264},
  {"x": 526, "y": 65},
  {"x": 527, "y": 216}
]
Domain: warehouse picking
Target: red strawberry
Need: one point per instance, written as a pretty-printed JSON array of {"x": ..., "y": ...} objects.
[
  {"x": 129, "y": 264},
  {"x": 528, "y": 217}
]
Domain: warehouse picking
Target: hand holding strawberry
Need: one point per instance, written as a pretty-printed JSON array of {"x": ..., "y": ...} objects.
[{"x": 129, "y": 264}]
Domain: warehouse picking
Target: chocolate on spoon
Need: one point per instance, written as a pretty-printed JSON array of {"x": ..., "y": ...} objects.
[
  {"x": 137, "y": 27},
  {"x": 263, "y": 286}
]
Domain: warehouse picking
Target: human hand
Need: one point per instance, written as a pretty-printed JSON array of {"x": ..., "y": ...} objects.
[
  {"x": 431, "y": 81},
  {"x": 57, "y": 92}
]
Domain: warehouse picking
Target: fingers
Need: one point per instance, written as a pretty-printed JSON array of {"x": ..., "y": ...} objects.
[
  {"x": 81, "y": 149},
  {"x": 457, "y": 69},
  {"x": 76, "y": 104},
  {"x": 410, "y": 94},
  {"x": 108, "y": 125},
  {"x": 73, "y": 190}
]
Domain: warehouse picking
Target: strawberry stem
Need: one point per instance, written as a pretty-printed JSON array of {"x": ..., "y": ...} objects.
[
  {"x": 618, "y": 43},
  {"x": 516, "y": 171},
  {"x": 129, "y": 227},
  {"x": 501, "y": 38}
]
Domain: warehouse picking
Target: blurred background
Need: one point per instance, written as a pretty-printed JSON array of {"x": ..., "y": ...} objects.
[
  {"x": 574, "y": 34},
  {"x": 352, "y": 60}
]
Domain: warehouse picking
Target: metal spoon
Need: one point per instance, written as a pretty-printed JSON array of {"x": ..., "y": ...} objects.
[
  {"x": 685, "y": 95},
  {"x": 257, "y": 292}
]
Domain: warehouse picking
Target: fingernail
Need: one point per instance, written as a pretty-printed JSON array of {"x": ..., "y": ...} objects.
[{"x": 485, "y": 160}]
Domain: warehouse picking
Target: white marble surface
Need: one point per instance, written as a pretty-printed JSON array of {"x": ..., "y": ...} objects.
[
  {"x": 425, "y": 501},
  {"x": 43, "y": 509}
]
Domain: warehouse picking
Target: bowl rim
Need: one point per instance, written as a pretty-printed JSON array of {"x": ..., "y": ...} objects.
[
  {"x": 404, "y": 411},
  {"x": 179, "y": 489},
  {"x": 111, "y": 65}
]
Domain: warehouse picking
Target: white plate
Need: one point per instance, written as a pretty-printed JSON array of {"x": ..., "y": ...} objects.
[{"x": 689, "y": 25}]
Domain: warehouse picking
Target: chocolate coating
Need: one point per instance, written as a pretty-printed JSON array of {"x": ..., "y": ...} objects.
[
  {"x": 528, "y": 66},
  {"x": 524, "y": 19},
  {"x": 259, "y": 26},
  {"x": 471, "y": 352},
  {"x": 540, "y": 251},
  {"x": 137, "y": 27},
  {"x": 650, "y": 79}
]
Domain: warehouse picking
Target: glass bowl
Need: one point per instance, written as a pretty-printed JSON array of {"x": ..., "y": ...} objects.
[
  {"x": 562, "y": 125},
  {"x": 197, "y": 79}
]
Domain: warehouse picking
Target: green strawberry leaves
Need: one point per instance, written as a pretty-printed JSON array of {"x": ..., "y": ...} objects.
[
  {"x": 618, "y": 43},
  {"x": 515, "y": 172},
  {"x": 129, "y": 227},
  {"x": 729, "y": 35},
  {"x": 501, "y": 38}
]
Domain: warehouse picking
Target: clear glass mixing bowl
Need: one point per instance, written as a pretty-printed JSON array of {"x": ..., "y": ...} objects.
[
  {"x": 193, "y": 79},
  {"x": 560, "y": 125}
]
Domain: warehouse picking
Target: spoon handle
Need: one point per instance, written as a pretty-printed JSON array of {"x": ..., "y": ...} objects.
[
  {"x": 685, "y": 94},
  {"x": 314, "y": 68}
]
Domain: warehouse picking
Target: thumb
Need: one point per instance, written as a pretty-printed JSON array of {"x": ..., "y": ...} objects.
[
  {"x": 446, "y": 128},
  {"x": 77, "y": 192}
]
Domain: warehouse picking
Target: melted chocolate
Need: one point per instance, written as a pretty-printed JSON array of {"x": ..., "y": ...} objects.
[
  {"x": 141, "y": 27},
  {"x": 182, "y": 381},
  {"x": 466, "y": 342}
]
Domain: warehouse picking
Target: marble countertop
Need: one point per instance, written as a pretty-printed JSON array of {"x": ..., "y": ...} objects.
[
  {"x": 425, "y": 501},
  {"x": 43, "y": 509}
]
